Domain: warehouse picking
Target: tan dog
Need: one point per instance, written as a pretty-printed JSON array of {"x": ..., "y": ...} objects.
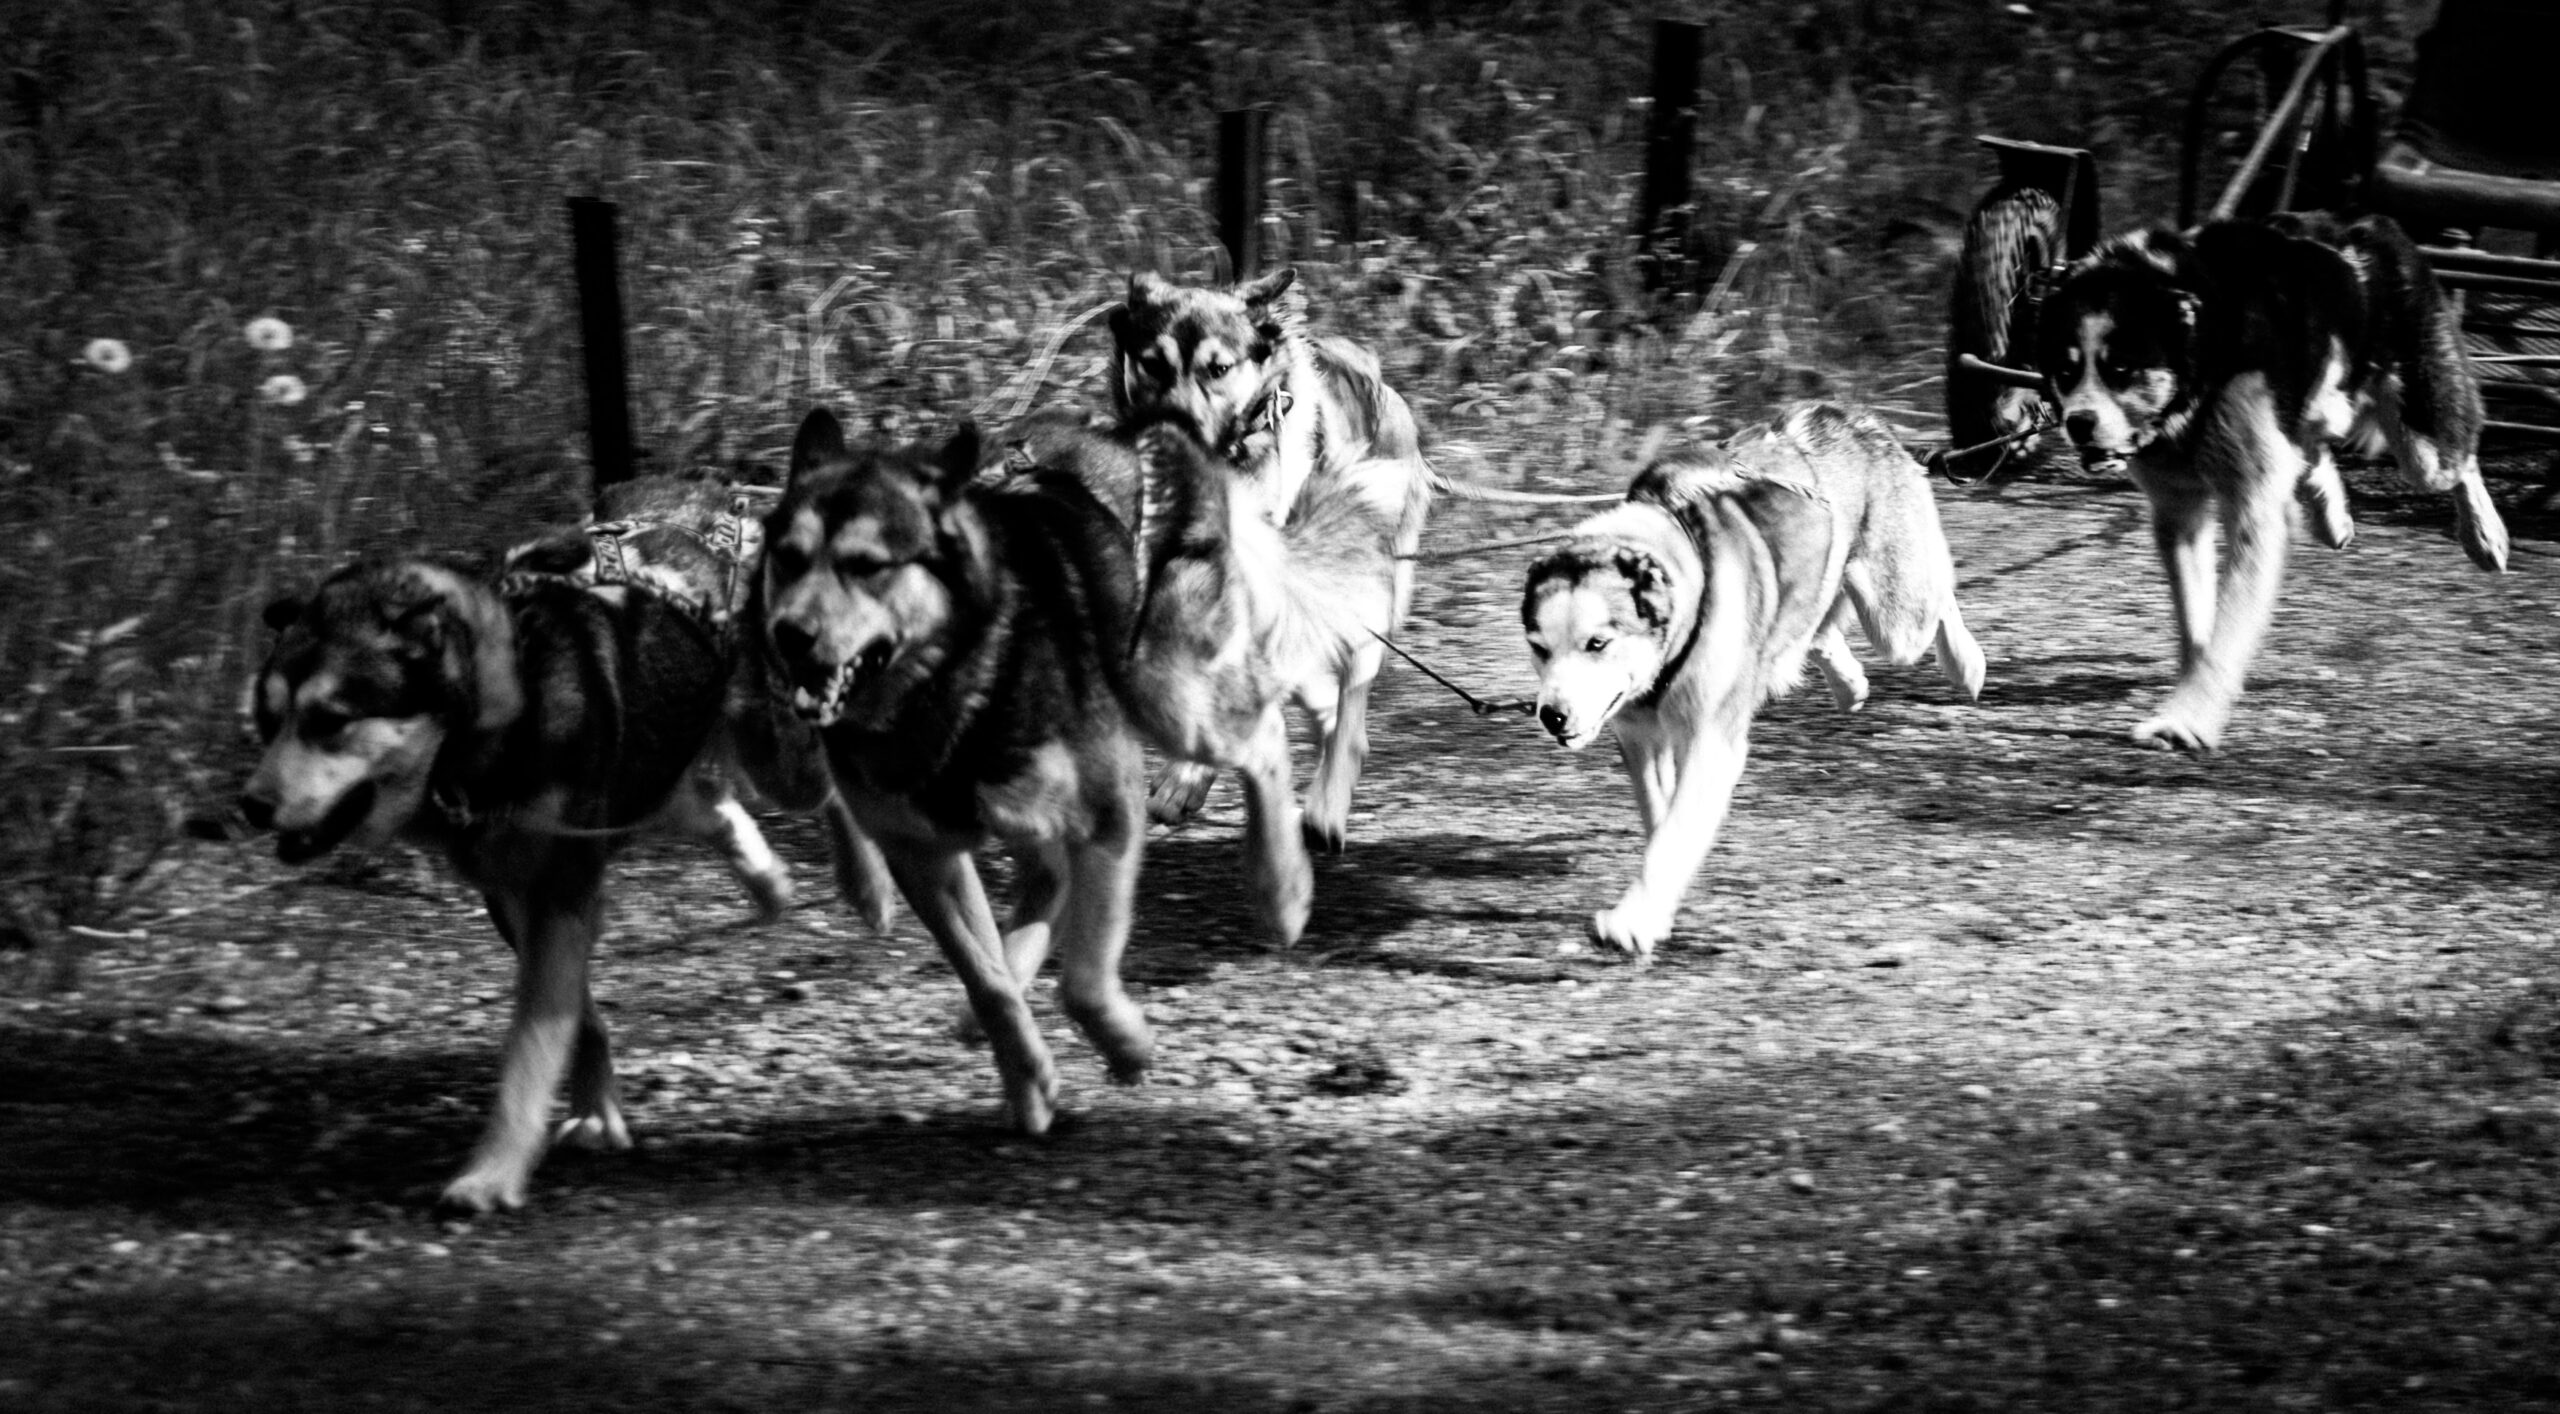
[
  {"x": 1277, "y": 405},
  {"x": 1678, "y": 613}
]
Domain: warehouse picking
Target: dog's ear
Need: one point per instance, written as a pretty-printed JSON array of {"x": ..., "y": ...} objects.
[
  {"x": 958, "y": 459},
  {"x": 467, "y": 626},
  {"x": 820, "y": 439},
  {"x": 280, "y": 613},
  {"x": 1270, "y": 287},
  {"x": 1649, "y": 584}
]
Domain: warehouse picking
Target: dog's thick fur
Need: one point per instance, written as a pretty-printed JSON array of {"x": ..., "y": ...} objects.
[
  {"x": 698, "y": 543},
  {"x": 962, "y": 649},
  {"x": 1286, "y": 411},
  {"x": 1235, "y": 615},
  {"x": 522, "y": 734},
  {"x": 2219, "y": 368},
  {"x": 1678, "y": 613}
]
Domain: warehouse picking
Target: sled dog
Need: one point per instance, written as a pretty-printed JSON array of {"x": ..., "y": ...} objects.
[
  {"x": 1277, "y": 405},
  {"x": 1235, "y": 613},
  {"x": 961, "y": 650},
  {"x": 524, "y": 733},
  {"x": 2219, "y": 368},
  {"x": 1679, "y": 612},
  {"x": 697, "y": 543}
]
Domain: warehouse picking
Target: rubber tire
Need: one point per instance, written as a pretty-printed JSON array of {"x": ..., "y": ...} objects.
[{"x": 2015, "y": 231}]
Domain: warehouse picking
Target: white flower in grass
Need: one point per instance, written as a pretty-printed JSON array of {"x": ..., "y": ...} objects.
[
  {"x": 283, "y": 390},
  {"x": 107, "y": 355},
  {"x": 269, "y": 335}
]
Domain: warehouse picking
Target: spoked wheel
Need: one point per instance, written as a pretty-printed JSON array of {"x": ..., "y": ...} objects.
[{"x": 2015, "y": 232}]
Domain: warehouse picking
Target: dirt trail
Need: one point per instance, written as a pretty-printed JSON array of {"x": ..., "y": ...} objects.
[{"x": 1995, "y": 1064}]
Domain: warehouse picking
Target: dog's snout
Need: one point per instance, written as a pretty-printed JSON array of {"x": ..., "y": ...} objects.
[
  {"x": 1553, "y": 719},
  {"x": 793, "y": 642},
  {"x": 259, "y": 811},
  {"x": 2082, "y": 427}
]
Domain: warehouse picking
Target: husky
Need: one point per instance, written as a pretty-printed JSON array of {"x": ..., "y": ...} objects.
[
  {"x": 2219, "y": 368},
  {"x": 1279, "y": 405},
  {"x": 961, "y": 651},
  {"x": 1235, "y": 613},
  {"x": 523, "y": 733},
  {"x": 1678, "y": 612},
  {"x": 696, "y": 543}
]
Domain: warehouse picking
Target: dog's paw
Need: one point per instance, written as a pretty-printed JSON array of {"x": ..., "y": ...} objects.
[
  {"x": 2484, "y": 539},
  {"x": 601, "y": 1129},
  {"x": 2173, "y": 730},
  {"x": 770, "y": 891},
  {"x": 1630, "y": 928},
  {"x": 1180, "y": 792},
  {"x": 1031, "y": 1103},
  {"x": 483, "y": 1191},
  {"x": 1322, "y": 835},
  {"x": 1282, "y": 896}
]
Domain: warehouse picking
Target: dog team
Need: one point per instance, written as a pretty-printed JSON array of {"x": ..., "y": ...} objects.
[{"x": 943, "y": 648}]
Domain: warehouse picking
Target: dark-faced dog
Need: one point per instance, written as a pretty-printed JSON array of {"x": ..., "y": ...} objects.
[
  {"x": 2219, "y": 368},
  {"x": 961, "y": 649},
  {"x": 521, "y": 734}
]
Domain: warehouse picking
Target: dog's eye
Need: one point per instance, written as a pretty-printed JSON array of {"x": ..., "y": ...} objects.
[
  {"x": 859, "y": 566},
  {"x": 1215, "y": 369},
  {"x": 320, "y": 723},
  {"x": 785, "y": 560},
  {"x": 1599, "y": 643}
]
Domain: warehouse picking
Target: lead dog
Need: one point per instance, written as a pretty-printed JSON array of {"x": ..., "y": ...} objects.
[
  {"x": 523, "y": 734},
  {"x": 1279, "y": 406},
  {"x": 961, "y": 650},
  {"x": 1678, "y": 613},
  {"x": 2219, "y": 368}
]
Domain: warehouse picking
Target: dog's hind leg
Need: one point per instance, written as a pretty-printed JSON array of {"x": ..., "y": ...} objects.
[
  {"x": 862, "y": 876},
  {"x": 941, "y": 884},
  {"x": 1904, "y": 587},
  {"x": 709, "y": 810},
  {"x": 1277, "y": 874},
  {"x": 1346, "y": 749},
  {"x": 1180, "y": 792},
  {"x": 553, "y": 926}
]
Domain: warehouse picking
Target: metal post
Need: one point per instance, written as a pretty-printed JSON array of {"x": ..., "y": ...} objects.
[
  {"x": 1670, "y": 140},
  {"x": 591, "y": 229},
  {"x": 1240, "y": 190}
]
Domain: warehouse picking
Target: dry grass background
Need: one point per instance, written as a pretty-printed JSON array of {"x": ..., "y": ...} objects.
[{"x": 894, "y": 208}]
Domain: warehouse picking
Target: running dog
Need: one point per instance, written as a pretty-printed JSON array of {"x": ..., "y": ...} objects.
[
  {"x": 524, "y": 734},
  {"x": 1679, "y": 612},
  {"x": 2219, "y": 368},
  {"x": 697, "y": 543},
  {"x": 1278, "y": 405},
  {"x": 1234, "y": 612},
  {"x": 961, "y": 649}
]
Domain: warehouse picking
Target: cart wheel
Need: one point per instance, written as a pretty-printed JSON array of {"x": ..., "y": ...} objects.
[{"x": 2015, "y": 231}]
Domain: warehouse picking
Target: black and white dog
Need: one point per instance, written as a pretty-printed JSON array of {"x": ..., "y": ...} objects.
[{"x": 2220, "y": 367}]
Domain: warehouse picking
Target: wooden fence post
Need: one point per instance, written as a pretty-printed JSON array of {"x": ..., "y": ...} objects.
[
  {"x": 1240, "y": 132},
  {"x": 1670, "y": 140},
  {"x": 591, "y": 230}
]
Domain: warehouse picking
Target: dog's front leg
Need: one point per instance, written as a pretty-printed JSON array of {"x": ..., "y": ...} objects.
[
  {"x": 862, "y": 876},
  {"x": 1277, "y": 874},
  {"x": 941, "y": 884},
  {"x": 2182, "y": 531},
  {"x": 553, "y": 928},
  {"x": 1346, "y": 749},
  {"x": 2254, "y": 507},
  {"x": 1700, "y": 789}
]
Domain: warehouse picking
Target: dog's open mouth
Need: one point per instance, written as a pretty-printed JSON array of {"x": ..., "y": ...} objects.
[
  {"x": 2103, "y": 461},
  {"x": 818, "y": 694},
  {"x": 302, "y": 846}
]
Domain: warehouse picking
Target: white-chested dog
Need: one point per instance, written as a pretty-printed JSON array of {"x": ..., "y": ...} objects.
[
  {"x": 1678, "y": 613},
  {"x": 2218, "y": 367},
  {"x": 1279, "y": 406}
]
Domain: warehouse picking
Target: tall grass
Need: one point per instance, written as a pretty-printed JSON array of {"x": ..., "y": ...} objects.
[{"x": 895, "y": 208}]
